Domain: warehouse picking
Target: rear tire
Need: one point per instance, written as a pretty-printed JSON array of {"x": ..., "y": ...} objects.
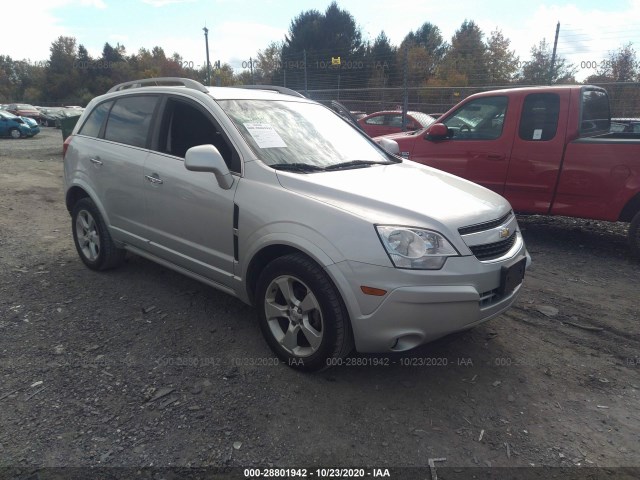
[
  {"x": 301, "y": 314},
  {"x": 14, "y": 133},
  {"x": 634, "y": 236},
  {"x": 92, "y": 239}
]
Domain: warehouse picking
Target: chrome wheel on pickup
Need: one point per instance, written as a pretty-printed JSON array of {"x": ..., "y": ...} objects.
[{"x": 301, "y": 313}]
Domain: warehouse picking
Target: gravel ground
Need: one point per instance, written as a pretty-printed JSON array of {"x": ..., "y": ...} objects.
[{"x": 142, "y": 367}]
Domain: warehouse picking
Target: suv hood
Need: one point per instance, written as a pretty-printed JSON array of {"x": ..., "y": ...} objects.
[{"x": 406, "y": 193}]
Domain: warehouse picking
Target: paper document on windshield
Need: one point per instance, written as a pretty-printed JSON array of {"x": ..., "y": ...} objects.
[{"x": 265, "y": 135}]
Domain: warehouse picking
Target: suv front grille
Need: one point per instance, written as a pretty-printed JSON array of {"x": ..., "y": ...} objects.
[
  {"x": 491, "y": 251},
  {"x": 481, "y": 227}
]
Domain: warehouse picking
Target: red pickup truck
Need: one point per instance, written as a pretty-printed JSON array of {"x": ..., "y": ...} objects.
[{"x": 548, "y": 150}]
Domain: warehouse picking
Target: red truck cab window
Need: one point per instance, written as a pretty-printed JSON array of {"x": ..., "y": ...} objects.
[
  {"x": 480, "y": 119},
  {"x": 539, "y": 118}
]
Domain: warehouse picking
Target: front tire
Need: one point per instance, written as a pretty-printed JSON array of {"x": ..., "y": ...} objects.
[
  {"x": 92, "y": 239},
  {"x": 301, "y": 314},
  {"x": 634, "y": 236}
]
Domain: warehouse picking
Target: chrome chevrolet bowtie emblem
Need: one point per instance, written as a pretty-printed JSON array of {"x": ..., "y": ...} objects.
[{"x": 504, "y": 232}]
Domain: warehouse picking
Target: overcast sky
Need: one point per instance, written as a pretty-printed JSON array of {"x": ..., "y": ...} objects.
[{"x": 239, "y": 28}]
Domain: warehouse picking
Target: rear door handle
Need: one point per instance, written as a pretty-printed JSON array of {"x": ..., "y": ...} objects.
[
  {"x": 154, "y": 179},
  {"x": 95, "y": 160},
  {"x": 495, "y": 156}
]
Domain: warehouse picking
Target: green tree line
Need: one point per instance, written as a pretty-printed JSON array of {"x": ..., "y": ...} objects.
[{"x": 322, "y": 50}]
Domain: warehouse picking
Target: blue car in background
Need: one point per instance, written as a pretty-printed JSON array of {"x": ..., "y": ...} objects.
[{"x": 17, "y": 127}]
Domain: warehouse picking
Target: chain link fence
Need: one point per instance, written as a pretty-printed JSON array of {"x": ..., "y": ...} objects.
[
  {"x": 624, "y": 98},
  {"x": 369, "y": 100}
]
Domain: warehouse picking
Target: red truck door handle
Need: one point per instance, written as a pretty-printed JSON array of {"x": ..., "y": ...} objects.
[{"x": 495, "y": 157}]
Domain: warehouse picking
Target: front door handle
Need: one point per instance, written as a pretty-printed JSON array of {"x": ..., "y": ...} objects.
[
  {"x": 95, "y": 160},
  {"x": 153, "y": 178},
  {"x": 495, "y": 157}
]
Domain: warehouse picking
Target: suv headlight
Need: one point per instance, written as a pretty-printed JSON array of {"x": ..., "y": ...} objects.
[{"x": 415, "y": 248}]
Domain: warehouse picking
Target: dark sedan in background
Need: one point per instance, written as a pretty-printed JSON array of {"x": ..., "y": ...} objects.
[{"x": 24, "y": 110}]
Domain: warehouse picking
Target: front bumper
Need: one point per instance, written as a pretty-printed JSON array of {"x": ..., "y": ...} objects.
[{"x": 420, "y": 305}]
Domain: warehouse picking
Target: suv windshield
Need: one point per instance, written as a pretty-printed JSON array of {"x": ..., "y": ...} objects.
[{"x": 306, "y": 136}]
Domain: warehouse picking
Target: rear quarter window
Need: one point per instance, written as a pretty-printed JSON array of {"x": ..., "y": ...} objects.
[{"x": 94, "y": 121}]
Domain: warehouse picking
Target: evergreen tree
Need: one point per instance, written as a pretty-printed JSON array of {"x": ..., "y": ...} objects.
[
  {"x": 467, "y": 56},
  {"x": 537, "y": 71},
  {"x": 502, "y": 63}
]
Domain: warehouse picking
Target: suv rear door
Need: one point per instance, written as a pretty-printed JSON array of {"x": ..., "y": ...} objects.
[
  {"x": 113, "y": 144},
  {"x": 188, "y": 215}
]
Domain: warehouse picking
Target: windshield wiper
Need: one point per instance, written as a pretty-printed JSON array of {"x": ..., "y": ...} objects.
[
  {"x": 355, "y": 164},
  {"x": 307, "y": 168},
  {"x": 297, "y": 167}
]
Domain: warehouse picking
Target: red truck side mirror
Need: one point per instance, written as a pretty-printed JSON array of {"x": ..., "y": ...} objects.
[{"x": 437, "y": 131}]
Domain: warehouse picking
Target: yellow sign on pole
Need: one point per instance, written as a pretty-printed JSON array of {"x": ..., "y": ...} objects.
[{"x": 335, "y": 60}]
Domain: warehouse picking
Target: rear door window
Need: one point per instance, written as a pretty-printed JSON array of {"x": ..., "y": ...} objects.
[
  {"x": 130, "y": 118},
  {"x": 539, "y": 118}
]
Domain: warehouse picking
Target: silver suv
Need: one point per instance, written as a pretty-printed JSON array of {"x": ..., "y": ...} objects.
[{"x": 275, "y": 199}]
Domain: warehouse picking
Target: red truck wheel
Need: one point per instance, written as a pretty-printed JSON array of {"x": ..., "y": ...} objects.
[{"x": 634, "y": 235}]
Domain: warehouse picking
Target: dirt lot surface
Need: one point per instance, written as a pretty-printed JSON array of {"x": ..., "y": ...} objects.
[{"x": 141, "y": 366}]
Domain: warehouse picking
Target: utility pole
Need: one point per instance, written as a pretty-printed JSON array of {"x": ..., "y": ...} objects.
[
  {"x": 304, "y": 54},
  {"x": 253, "y": 79},
  {"x": 206, "y": 43},
  {"x": 405, "y": 103},
  {"x": 553, "y": 56}
]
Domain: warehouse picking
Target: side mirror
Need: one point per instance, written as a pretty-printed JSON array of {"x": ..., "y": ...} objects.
[
  {"x": 389, "y": 145},
  {"x": 437, "y": 131},
  {"x": 207, "y": 158}
]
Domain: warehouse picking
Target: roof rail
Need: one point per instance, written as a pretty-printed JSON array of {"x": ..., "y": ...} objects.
[
  {"x": 282, "y": 90},
  {"x": 160, "y": 82}
]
